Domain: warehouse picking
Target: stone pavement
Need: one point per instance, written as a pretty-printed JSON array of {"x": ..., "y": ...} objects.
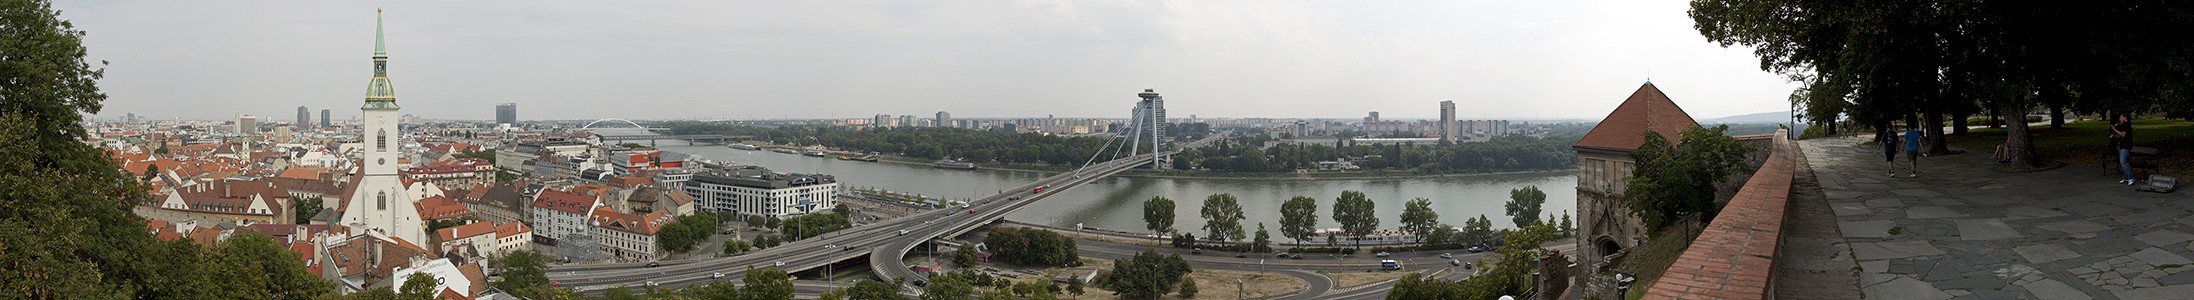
[{"x": 1964, "y": 231}]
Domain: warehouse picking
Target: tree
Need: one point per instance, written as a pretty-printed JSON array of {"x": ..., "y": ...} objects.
[
  {"x": 964, "y": 256},
  {"x": 1032, "y": 247},
  {"x": 1263, "y": 243},
  {"x": 1478, "y": 230},
  {"x": 419, "y": 286},
  {"x": 1671, "y": 182},
  {"x": 1299, "y": 218},
  {"x": 1147, "y": 275},
  {"x": 306, "y": 208},
  {"x": 1158, "y": 215},
  {"x": 949, "y": 286},
  {"x": 524, "y": 274},
  {"x": 1074, "y": 287},
  {"x": 151, "y": 170},
  {"x": 1442, "y": 235},
  {"x": 771, "y": 283},
  {"x": 1524, "y": 204},
  {"x": 1188, "y": 288},
  {"x": 1418, "y": 217},
  {"x": 873, "y": 290},
  {"x": 736, "y": 247},
  {"x": 1222, "y": 218},
  {"x": 1357, "y": 215},
  {"x": 1567, "y": 228}
]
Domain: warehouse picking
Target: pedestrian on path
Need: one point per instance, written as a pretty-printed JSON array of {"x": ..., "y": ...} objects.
[
  {"x": 2121, "y": 137},
  {"x": 1886, "y": 135},
  {"x": 1912, "y": 149}
]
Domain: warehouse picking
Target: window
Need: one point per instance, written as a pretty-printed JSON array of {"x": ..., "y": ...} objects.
[
  {"x": 381, "y": 141},
  {"x": 382, "y": 201}
]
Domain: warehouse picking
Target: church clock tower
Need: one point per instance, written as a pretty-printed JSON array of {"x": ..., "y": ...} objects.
[{"x": 380, "y": 202}]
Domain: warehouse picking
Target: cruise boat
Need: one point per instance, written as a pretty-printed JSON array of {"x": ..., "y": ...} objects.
[
  {"x": 744, "y": 147},
  {"x": 785, "y": 151},
  {"x": 815, "y": 153},
  {"x": 957, "y": 165}
]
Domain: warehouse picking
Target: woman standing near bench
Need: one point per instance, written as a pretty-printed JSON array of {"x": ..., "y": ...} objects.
[{"x": 2121, "y": 137}]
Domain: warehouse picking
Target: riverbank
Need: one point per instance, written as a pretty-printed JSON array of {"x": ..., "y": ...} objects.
[{"x": 1177, "y": 174}]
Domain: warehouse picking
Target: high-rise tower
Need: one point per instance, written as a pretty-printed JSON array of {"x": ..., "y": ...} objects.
[
  {"x": 1448, "y": 129},
  {"x": 1149, "y": 123},
  {"x": 304, "y": 118},
  {"x": 506, "y": 113},
  {"x": 380, "y": 202}
]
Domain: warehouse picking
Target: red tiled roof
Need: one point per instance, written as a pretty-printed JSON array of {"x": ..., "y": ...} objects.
[
  {"x": 510, "y": 229},
  {"x": 439, "y": 207},
  {"x": 642, "y": 224},
  {"x": 1647, "y": 110},
  {"x": 464, "y": 231},
  {"x": 564, "y": 201}
]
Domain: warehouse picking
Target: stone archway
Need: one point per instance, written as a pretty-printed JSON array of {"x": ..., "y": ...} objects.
[{"x": 1604, "y": 246}]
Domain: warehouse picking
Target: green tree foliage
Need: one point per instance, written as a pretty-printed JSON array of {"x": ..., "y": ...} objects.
[
  {"x": 1670, "y": 182},
  {"x": 1477, "y": 230},
  {"x": 771, "y": 283},
  {"x": 435, "y": 225},
  {"x": 1418, "y": 217},
  {"x": 683, "y": 233},
  {"x": 1146, "y": 276},
  {"x": 1075, "y": 287},
  {"x": 1188, "y": 288},
  {"x": 1509, "y": 273},
  {"x": 1357, "y": 214},
  {"x": 958, "y": 285},
  {"x": 1032, "y": 247},
  {"x": 1567, "y": 228},
  {"x": 764, "y": 242},
  {"x": 873, "y": 290},
  {"x": 812, "y": 225},
  {"x": 488, "y": 154},
  {"x": 1524, "y": 204},
  {"x": 1299, "y": 218},
  {"x": 306, "y": 207},
  {"x": 965, "y": 256},
  {"x": 151, "y": 171},
  {"x": 419, "y": 286},
  {"x": 252, "y": 265},
  {"x": 67, "y": 231},
  {"x": 1222, "y": 218},
  {"x": 525, "y": 274},
  {"x": 736, "y": 247},
  {"x": 1263, "y": 242},
  {"x": 1158, "y": 215},
  {"x": 1443, "y": 236}
]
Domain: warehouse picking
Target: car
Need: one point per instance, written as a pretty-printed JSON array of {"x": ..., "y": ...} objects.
[
  {"x": 828, "y": 246},
  {"x": 1382, "y": 254},
  {"x": 921, "y": 283},
  {"x": 716, "y": 275},
  {"x": 902, "y": 232},
  {"x": 1241, "y": 255},
  {"x": 1445, "y": 255},
  {"x": 556, "y": 283},
  {"x": 780, "y": 264},
  {"x": 971, "y": 211},
  {"x": 1454, "y": 262},
  {"x": 1196, "y": 251},
  {"x": 1280, "y": 255},
  {"x": 1466, "y": 266},
  {"x": 654, "y": 264},
  {"x": 651, "y": 283},
  {"x": 1477, "y": 249},
  {"x": 1295, "y": 256}
]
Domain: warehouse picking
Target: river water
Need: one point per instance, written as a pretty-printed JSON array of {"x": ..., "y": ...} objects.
[{"x": 1116, "y": 203}]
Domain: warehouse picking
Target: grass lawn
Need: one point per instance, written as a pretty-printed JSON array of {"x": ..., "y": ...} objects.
[
  {"x": 1347, "y": 279},
  {"x": 2085, "y": 142}
]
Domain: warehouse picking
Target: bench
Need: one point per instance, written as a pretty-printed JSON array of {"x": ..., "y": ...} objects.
[{"x": 2143, "y": 160}]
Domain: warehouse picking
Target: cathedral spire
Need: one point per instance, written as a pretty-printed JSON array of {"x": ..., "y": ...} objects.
[
  {"x": 380, "y": 94},
  {"x": 380, "y": 50}
]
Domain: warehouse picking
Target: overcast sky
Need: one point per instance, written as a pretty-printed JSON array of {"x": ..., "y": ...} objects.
[{"x": 814, "y": 59}]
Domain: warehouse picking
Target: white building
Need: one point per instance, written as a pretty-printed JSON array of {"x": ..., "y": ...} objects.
[
  {"x": 369, "y": 207},
  {"x": 628, "y": 237},
  {"x": 557, "y": 214},
  {"x": 757, "y": 191},
  {"x": 511, "y": 237},
  {"x": 480, "y": 235}
]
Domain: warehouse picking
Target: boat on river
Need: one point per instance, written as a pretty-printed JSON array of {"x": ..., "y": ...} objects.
[
  {"x": 785, "y": 151},
  {"x": 744, "y": 147},
  {"x": 815, "y": 153},
  {"x": 956, "y": 165}
]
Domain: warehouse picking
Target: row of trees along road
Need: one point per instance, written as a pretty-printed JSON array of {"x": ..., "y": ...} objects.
[
  {"x": 1887, "y": 60},
  {"x": 1357, "y": 215}
]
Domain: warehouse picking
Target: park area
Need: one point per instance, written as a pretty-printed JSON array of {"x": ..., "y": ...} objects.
[{"x": 2085, "y": 143}]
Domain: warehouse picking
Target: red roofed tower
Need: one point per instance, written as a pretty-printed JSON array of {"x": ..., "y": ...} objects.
[{"x": 1604, "y": 223}]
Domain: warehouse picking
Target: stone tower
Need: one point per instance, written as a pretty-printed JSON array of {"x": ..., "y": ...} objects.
[
  {"x": 379, "y": 202},
  {"x": 1605, "y": 227}
]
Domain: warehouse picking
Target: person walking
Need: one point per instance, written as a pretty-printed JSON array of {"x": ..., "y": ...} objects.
[
  {"x": 1912, "y": 149},
  {"x": 1886, "y": 135},
  {"x": 2121, "y": 137}
]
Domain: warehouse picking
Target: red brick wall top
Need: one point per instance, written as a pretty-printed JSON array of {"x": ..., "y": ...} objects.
[{"x": 1735, "y": 255}]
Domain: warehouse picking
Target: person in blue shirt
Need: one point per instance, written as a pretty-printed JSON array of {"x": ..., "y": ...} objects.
[{"x": 1912, "y": 148}]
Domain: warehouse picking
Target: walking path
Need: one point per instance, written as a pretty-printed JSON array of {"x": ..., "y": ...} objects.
[{"x": 1963, "y": 231}]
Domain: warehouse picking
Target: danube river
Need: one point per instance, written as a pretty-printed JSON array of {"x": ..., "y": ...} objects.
[{"x": 1116, "y": 203}]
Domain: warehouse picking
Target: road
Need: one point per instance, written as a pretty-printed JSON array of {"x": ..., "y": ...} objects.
[{"x": 897, "y": 236}]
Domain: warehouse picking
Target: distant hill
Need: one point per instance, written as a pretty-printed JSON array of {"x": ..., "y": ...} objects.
[{"x": 1755, "y": 118}]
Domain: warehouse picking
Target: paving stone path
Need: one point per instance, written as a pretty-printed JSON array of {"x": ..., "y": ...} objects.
[{"x": 1963, "y": 231}]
